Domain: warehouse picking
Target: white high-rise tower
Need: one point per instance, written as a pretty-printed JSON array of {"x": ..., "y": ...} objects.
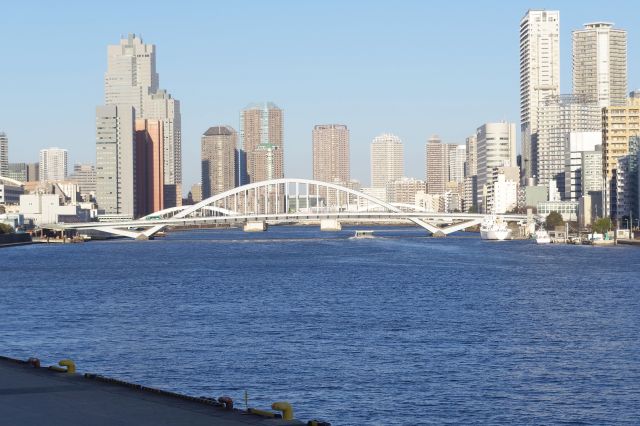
[
  {"x": 539, "y": 75},
  {"x": 600, "y": 63},
  {"x": 387, "y": 160}
]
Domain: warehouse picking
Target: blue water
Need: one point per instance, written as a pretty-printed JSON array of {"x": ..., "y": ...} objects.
[{"x": 397, "y": 330}]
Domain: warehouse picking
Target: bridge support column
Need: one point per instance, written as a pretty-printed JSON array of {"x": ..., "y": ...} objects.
[
  {"x": 330, "y": 225},
  {"x": 255, "y": 226}
]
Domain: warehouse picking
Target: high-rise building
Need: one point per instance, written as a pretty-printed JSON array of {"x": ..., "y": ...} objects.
[
  {"x": 161, "y": 106},
  {"x": 471, "y": 166},
  {"x": 85, "y": 176},
  {"x": 619, "y": 125},
  {"x": 457, "y": 156},
  {"x": 115, "y": 165},
  {"x": 331, "y": 153},
  {"x": 131, "y": 80},
  {"x": 218, "y": 152},
  {"x": 262, "y": 140},
  {"x": 600, "y": 63},
  {"x": 149, "y": 166},
  {"x": 539, "y": 75},
  {"x": 387, "y": 160},
  {"x": 131, "y": 74},
  {"x": 436, "y": 165},
  {"x": 4, "y": 154},
  {"x": 53, "y": 164},
  {"x": 558, "y": 116},
  {"x": 330, "y": 158},
  {"x": 496, "y": 148}
]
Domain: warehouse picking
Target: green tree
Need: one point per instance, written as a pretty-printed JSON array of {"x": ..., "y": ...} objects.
[
  {"x": 602, "y": 225},
  {"x": 473, "y": 209},
  {"x": 553, "y": 219},
  {"x": 5, "y": 229}
]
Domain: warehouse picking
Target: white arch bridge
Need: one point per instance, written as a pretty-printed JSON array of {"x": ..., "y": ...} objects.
[{"x": 288, "y": 200}]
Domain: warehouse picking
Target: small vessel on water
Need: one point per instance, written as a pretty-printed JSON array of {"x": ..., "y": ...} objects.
[
  {"x": 494, "y": 228},
  {"x": 542, "y": 237},
  {"x": 363, "y": 234}
]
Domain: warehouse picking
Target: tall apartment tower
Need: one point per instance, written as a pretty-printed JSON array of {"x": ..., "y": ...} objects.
[
  {"x": 457, "y": 156},
  {"x": 115, "y": 161},
  {"x": 496, "y": 148},
  {"x": 53, "y": 164},
  {"x": 131, "y": 80},
  {"x": 436, "y": 165},
  {"x": 387, "y": 160},
  {"x": 331, "y": 153},
  {"x": 218, "y": 153},
  {"x": 262, "y": 140},
  {"x": 471, "y": 166},
  {"x": 4, "y": 154},
  {"x": 149, "y": 166},
  {"x": 539, "y": 76},
  {"x": 600, "y": 63}
]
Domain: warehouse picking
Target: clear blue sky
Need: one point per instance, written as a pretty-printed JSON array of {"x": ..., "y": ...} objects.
[{"x": 413, "y": 68}]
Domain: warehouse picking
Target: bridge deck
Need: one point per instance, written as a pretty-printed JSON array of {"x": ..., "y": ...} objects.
[{"x": 39, "y": 396}]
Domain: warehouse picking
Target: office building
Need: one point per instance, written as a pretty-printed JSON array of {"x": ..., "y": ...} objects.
[
  {"x": 262, "y": 140},
  {"x": 149, "y": 166},
  {"x": 53, "y": 164},
  {"x": 539, "y": 75},
  {"x": 387, "y": 160},
  {"x": 558, "y": 116},
  {"x": 218, "y": 153},
  {"x": 496, "y": 147},
  {"x": 436, "y": 165},
  {"x": 600, "y": 63},
  {"x": 578, "y": 144},
  {"x": 17, "y": 171},
  {"x": 4, "y": 154},
  {"x": 115, "y": 151},
  {"x": 85, "y": 176}
]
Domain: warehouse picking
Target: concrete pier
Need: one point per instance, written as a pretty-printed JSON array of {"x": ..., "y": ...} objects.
[
  {"x": 257, "y": 226},
  {"x": 330, "y": 225},
  {"x": 32, "y": 395}
]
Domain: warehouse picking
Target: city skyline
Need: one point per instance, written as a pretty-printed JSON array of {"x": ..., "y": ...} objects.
[{"x": 390, "y": 107}]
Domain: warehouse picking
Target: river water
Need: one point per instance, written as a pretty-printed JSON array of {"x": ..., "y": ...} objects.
[{"x": 396, "y": 330}]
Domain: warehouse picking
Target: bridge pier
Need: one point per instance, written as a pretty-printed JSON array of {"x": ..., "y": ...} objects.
[
  {"x": 255, "y": 226},
  {"x": 330, "y": 225}
]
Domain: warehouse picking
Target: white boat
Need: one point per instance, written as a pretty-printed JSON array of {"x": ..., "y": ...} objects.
[
  {"x": 494, "y": 228},
  {"x": 542, "y": 237},
  {"x": 363, "y": 234}
]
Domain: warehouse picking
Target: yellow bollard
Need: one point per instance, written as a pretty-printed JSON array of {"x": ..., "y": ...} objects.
[
  {"x": 71, "y": 366},
  {"x": 285, "y": 407}
]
